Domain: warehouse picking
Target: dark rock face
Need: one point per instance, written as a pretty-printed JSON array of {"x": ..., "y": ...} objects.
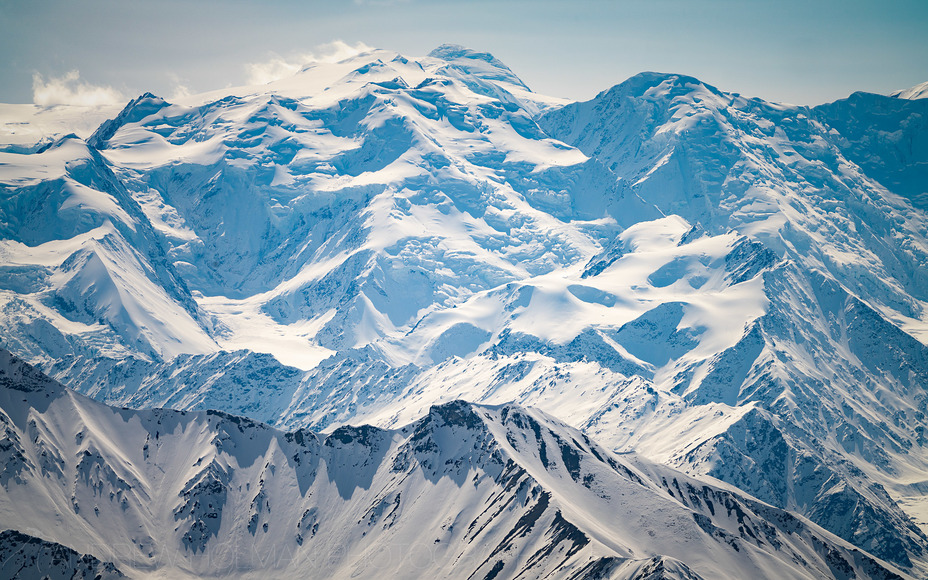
[{"x": 23, "y": 556}]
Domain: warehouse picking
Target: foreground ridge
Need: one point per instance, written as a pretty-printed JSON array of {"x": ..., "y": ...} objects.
[{"x": 466, "y": 491}]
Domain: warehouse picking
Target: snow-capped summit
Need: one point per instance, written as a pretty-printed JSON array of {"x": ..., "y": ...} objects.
[
  {"x": 477, "y": 64},
  {"x": 919, "y": 91},
  {"x": 136, "y": 110}
]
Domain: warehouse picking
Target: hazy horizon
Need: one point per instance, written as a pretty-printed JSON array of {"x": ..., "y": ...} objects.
[{"x": 797, "y": 52}]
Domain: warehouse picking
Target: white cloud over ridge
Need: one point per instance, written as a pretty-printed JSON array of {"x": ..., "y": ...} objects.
[
  {"x": 180, "y": 89},
  {"x": 278, "y": 67},
  {"x": 70, "y": 90}
]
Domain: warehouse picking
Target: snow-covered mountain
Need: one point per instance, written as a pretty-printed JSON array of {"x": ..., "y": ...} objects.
[
  {"x": 83, "y": 268},
  {"x": 886, "y": 137},
  {"x": 465, "y": 491},
  {"x": 919, "y": 91},
  {"x": 731, "y": 287}
]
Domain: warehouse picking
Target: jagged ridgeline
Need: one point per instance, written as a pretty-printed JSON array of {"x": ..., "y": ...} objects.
[
  {"x": 725, "y": 286},
  {"x": 465, "y": 491}
]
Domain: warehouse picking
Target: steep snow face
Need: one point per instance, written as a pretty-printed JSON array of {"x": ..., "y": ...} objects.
[
  {"x": 244, "y": 382},
  {"x": 464, "y": 491},
  {"x": 83, "y": 271},
  {"x": 886, "y": 137},
  {"x": 358, "y": 195},
  {"x": 316, "y": 213},
  {"x": 679, "y": 146}
]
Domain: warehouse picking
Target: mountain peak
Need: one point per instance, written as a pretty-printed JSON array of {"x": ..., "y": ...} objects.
[
  {"x": 919, "y": 91},
  {"x": 134, "y": 111},
  {"x": 458, "y": 413},
  {"x": 650, "y": 83},
  {"x": 457, "y": 51},
  {"x": 479, "y": 64}
]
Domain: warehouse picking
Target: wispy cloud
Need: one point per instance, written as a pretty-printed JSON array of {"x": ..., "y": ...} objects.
[
  {"x": 70, "y": 90},
  {"x": 180, "y": 88},
  {"x": 278, "y": 67},
  {"x": 260, "y": 73}
]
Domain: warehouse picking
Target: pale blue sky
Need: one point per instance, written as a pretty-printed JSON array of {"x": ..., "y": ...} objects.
[{"x": 798, "y": 51}]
